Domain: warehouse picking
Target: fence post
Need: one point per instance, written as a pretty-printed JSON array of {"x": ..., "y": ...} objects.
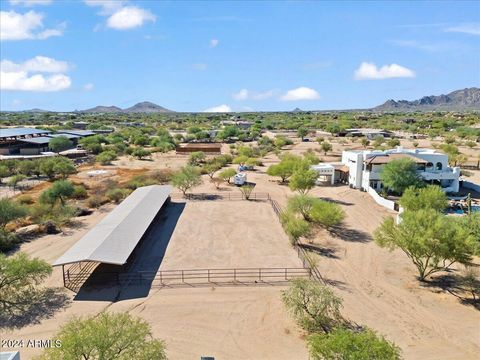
[
  {"x": 286, "y": 274},
  {"x": 208, "y": 272},
  {"x": 183, "y": 280},
  {"x": 260, "y": 274},
  {"x": 234, "y": 275},
  {"x": 161, "y": 280}
]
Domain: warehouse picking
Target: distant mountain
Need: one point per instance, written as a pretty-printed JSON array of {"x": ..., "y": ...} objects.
[
  {"x": 146, "y": 107},
  {"x": 141, "y": 107},
  {"x": 466, "y": 99},
  {"x": 35, "y": 111},
  {"x": 297, "y": 110},
  {"x": 103, "y": 109}
]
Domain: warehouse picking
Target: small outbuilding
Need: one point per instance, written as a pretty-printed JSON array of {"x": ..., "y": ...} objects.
[{"x": 207, "y": 148}]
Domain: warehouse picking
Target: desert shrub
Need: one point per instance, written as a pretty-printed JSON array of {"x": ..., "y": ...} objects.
[
  {"x": 8, "y": 240},
  {"x": 162, "y": 176},
  {"x": 96, "y": 201},
  {"x": 196, "y": 158},
  {"x": 139, "y": 181},
  {"x": 326, "y": 213},
  {"x": 116, "y": 195},
  {"x": 10, "y": 210},
  {"x": 60, "y": 216},
  {"x": 141, "y": 153},
  {"x": 60, "y": 143},
  {"x": 348, "y": 344},
  {"x": 24, "y": 199},
  {"x": 315, "y": 306},
  {"x": 106, "y": 157},
  {"x": 14, "y": 180},
  {"x": 79, "y": 192}
]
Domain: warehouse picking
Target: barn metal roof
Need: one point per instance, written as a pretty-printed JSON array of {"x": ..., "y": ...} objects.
[
  {"x": 79, "y": 132},
  {"x": 36, "y": 140},
  {"x": 12, "y": 132},
  {"x": 68, "y": 136},
  {"x": 114, "y": 238}
]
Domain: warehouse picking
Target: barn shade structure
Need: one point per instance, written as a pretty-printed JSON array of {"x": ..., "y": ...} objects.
[{"x": 113, "y": 239}]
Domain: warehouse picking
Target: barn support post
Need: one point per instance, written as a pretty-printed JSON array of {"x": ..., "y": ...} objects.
[{"x": 63, "y": 274}]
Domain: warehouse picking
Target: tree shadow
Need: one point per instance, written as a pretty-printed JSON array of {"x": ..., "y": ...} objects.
[
  {"x": 340, "y": 202},
  {"x": 49, "y": 301},
  {"x": 319, "y": 250},
  {"x": 352, "y": 235},
  {"x": 452, "y": 284}
]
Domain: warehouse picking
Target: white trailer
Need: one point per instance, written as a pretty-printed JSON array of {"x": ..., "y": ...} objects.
[{"x": 240, "y": 179}]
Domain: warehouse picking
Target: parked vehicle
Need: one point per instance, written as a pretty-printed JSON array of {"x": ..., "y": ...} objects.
[{"x": 240, "y": 179}]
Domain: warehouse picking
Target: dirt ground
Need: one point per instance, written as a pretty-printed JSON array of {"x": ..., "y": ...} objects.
[{"x": 378, "y": 287}]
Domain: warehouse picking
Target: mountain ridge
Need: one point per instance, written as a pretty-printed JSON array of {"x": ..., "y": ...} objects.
[
  {"x": 463, "y": 99},
  {"x": 141, "y": 107}
]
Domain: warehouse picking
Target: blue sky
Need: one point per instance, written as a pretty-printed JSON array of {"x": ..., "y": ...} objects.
[{"x": 219, "y": 55}]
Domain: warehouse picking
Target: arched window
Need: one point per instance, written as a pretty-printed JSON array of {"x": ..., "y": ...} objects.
[
  {"x": 429, "y": 165},
  {"x": 439, "y": 166}
]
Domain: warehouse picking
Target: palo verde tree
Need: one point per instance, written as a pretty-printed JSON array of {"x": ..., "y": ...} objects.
[
  {"x": 19, "y": 277},
  {"x": 227, "y": 174},
  {"x": 60, "y": 143},
  {"x": 294, "y": 226},
  {"x": 302, "y": 132},
  {"x": 186, "y": 178},
  {"x": 247, "y": 190},
  {"x": 315, "y": 306},
  {"x": 347, "y": 344},
  {"x": 303, "y": 179},
  {"x": 10, "y": 210},
  {"x": 432, "y": 241},
  {"x": 326, "y": 147},
  {"x": 108, "y": 336},
  {"x": 59, "y": 191},
  {"x": 400, "y": 174},
  {"x": 429, "y": 197},
  {"x": 285, "y": 168}
]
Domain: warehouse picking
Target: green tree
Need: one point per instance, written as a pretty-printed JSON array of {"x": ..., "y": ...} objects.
[
  {"x": 247, "y": 190},
  {"x": 326, "y": 147},
  {"x": 19, "y": 277},
  {"x": 294, "y": 227},
  {"x": 347, "y": 344},
  {"x": 315, "y": 307},
  {"x": 227, "y": 174},
  {"x": 10, "y": 210},
  {"x": 186, "y": 178},
  {"x": 365, "y": 142},
  {"x": 140, "y": 153},
  {"x": 302, "y": 132},
  {"x": 211, "y": 168},
  {"x": 302, "y": 180},
  {"x": 301, "y": 204},
  {"x": 326, "y": 213},
  {"x": 60, "y": 190},
  {"x": 108, "y": 336},
  {"x": 399, "y": 174},
  {"x": 429, "y": 197},
  {"x": 64, "y": 167},
  {"x": 393, "y": 142},
  {"x": 432, "y": 241},
  {"x": 59, "y": 143},
  {"x": 27, "y": 167},
  {"x": 285, "y": 168},
  {"x": 106, "y": 157},
  {"x": 196, "y": 158}
]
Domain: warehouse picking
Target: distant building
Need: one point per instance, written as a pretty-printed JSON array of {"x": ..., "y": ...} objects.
[
  {"x": 207, "y": 148},
  {"x": 10, "y": 138},
  {"x": 365, "y": 167},
  {"x": 368, "y": 133},
  {"x": 82, "y": 125},
  {"x": 243, "y": 124}
]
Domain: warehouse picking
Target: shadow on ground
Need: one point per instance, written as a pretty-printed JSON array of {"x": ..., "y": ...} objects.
[
  {"x": 454, "y": 285},
  {"x": 48, "y": 303},
  {"x": 320, "y": 250},
  {"x": 147, "y": 257},
  {"x": 352, "y": 235}
]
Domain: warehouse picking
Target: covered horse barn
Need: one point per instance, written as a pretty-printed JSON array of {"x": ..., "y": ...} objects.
[{"x": 108, "y": 249}]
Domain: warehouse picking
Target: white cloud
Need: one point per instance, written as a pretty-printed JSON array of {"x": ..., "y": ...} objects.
[
  {"x": 30, "y": 75},
  {"x": 16, "y": 26},
  {"x": 241, "y": 95},
  {"x": 214, "y": 43},
  {"x": 121, "y": 16},
  {"x": 245, "y": 94},
  {"x": 37, "y": 64},
  {"x": 200, "y": 66},
  {"x": 30, "y": 2},
  {"x": 129, "y": 17},
  {"x": 23, "y": 82},
  {"x": 88, "y": 87},
  {"x": 471, "y": 29},
  {"x": 218, "y": 109},
  {"x": 300, "y": 93},
  {"x": 368, "y": 71}
]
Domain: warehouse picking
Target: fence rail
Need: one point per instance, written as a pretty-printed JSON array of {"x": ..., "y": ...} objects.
[
  {"x": 222, "y": 196},
  {"x": 235, "y": 276}
]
